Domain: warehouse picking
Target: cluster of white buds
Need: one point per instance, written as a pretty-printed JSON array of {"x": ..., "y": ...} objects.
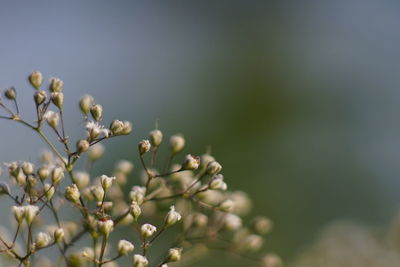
[{"x": 65, "y": 180}]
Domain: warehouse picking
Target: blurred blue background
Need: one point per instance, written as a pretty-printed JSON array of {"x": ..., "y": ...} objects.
[{"x": 300, "y": 100}]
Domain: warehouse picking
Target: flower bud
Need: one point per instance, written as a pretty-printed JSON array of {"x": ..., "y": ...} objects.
[
  {"x": 155, "y": 137},
  {"x": 42, "y": 240},
  {"x": 174, "y": 254},
  {"x": 36, "y": 79},
  {"x": 144, "y": 146},
  {"x": 56, "y": 175},
  {"x": 106, "y": 182},
  {"x": 85, "y": 103},
  {"x": 19, "y": 213},
  {"x": 232, "y": 222},
  {"x": 30, "y": 213},
  {"x": 137, "y": 194},
  {"x": 4, "y": 189},
  {"x": 10, "y": 93},
  {"x": 97, "y": 192},
  {"x": 271, "y": 260},
  {"x": 39, "y": 97},
  {"x": 135, "y": 210},
  {"x": 72, "y": 193},
  {"x": 217, "y": 183},
  {"x": 105, "y": 226},
  {"x": 27, "y": 167},
  {"x": 58, "y": 234},
  {"x": 252, "y": 242},
  {"x": 88, "y": 252},
  {"x": 127, "y": 128},
  {"x": 58, "y": 99},
  {"x": 139, "y": 261},
  {"x": 226, "y": 205},
  {"x": 213, "y": 168},
  {"x": 81, "y": 179},
  {"x": 147, "y": 230},
  {"x": 96, "y": 151},
  {"x": 82, "y": 146},
  {"x": 172, "y": 217},
  {"x": 124, "y": 247},
  {"x": 56, "y": 85},
  {"x": 52, "y": 118},
  {"x": 96, "y": 111},
  {"x": 43, "y": 172},
  {"x": 124, "y": 166},
  {"x": 190, "y": 162},
  {"x": 261, "y": 225},
  {"x": 117, "y": 127},
  {"x": 20, "y": 177},
  {"x": 49, "y": 191},
  {"x": 177, "y": 143}
]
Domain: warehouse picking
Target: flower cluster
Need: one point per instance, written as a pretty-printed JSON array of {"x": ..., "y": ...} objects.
[{"x": 189, "y": 198}]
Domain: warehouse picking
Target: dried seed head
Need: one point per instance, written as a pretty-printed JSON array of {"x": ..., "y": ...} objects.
[
  {"x": 147, "y": 230},
  {"x": 39, "y": 97},
  {"x": 82, "y": 146},
  {"x": 10, "y": 93},
  {"x": 139, "y": 261},
  {"x": 124, "y": 247},
  {"x": 56, "y": 85},
  {"x": 177, "y": 143},
  {"x": 190, "y": 162},
  {"x": 96, "y": 111},
  {"x": 85, "y": 103},
  {"x": 155, "y": 137},
  {"x": 144, "y": 146},
  {"x": 36, "y": 79},
  {"x": 58, "y": 99}
]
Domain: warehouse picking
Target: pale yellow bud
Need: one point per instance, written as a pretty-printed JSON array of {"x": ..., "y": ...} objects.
[
  {"x": 139, "y": 261},
  {"x": 39, "y": 97},
  {"x": 190, "y": 162},
  {"x": 155, "y": 137},
  {"x": 72, "y": 193},
  {"x": 144, "y": 146},
  {"x": 174, "y": 254},
  {"x": 42, "y": 240},
  {"x": 85, "y": 103},
  {"x": 56, "y": 85},
  {"x": 36, "y": 79},
  {"x": 177, "y": 143},
  {"x": 96, "y": 111}
]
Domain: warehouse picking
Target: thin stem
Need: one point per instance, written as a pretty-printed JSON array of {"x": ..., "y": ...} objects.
[{"x": 103, "y": 248}]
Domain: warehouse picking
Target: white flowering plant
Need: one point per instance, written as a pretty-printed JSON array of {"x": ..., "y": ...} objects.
[{"x": 43, "y": 198}]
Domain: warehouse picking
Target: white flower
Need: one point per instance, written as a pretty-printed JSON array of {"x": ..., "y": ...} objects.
[
  {"x": 19, "y": 213},
  {"x": 124, "y": 247},
  {"x": 105, "y": 226},
  {"x": 56, "y": 175},
  {"x": 52, "y": 118},
  {"x": 232, "y": 222},
  {"x": 135, "y": 210},
  {"x": 72, "y": 193},
  {"x": 58, "y": 234},
  {"x": 95, "y": 129},
  {"x": 30, "y": 213},
  {"x": 172, "y": 217},
  {"x": 174, "y": 254},
  {"x": 106, "y": 182},
  {"x": 42, "y": 240},
  {"x": 190, "y": 163},
  {"x": 139, "y": 261},
  {"x": 137, "y": 194},
  {"x": 147, "y": 230}
]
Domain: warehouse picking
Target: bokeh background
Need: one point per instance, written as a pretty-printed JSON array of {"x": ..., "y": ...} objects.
[{"x": 299, "y": 100}]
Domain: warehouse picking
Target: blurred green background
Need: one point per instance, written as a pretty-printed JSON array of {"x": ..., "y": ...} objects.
[{"x": 298, "y": 99}]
